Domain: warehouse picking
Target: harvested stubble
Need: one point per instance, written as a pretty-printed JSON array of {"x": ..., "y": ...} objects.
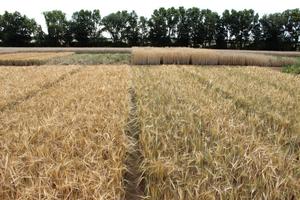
[
  {"x": 199, "y": 144},
  {"x": 18, "y": 82},
  {"x": 27, "y": 59},
  {"x": 188, "y": 56},
  {"x": 68, "y": 142}
]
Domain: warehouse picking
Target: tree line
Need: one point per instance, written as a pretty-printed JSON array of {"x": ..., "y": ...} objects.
[{"x": 192, "y": 27}]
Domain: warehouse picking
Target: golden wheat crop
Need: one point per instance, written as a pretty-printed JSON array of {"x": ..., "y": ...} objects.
[
  {"x": 188, "y": 56},
  {"x": 173, "y": 132},
  {"x": 17, "y": 83},
  {"x": 29, "y": 58},
  {"x": 68, "y": 141},
  {"x": 202, "y": 139}
]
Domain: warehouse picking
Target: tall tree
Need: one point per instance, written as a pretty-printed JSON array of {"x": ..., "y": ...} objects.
[
  {"x": 292, "y": 28},
  {"x": 248, "y": 22},
  {"x": 221, "y": 35},
  {"x": 183, "y": 28},
  {"x": 210, "y": 23},
  {"x": 122, "y": 26},
  {"x": 39, "y": 37},
  {"x": 85, "y": 26},
  {"x": 272, "y": 31},
  {"x": 131, "y": 32},
  {"x": 239, "y": 25},
  {"x": 172, "y": 20},
  {"x": 158, "y": 33},
  {"x": 256, "y": 37},
  {"x": 143, "y": 31},
  {"x": 197, "y": 29},
  {"x": 57, "y": 26},
  {"x": 230, "y": 23},
  {"x": 16, "y": 29}
]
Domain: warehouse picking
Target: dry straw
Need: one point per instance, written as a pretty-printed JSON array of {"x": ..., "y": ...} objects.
[
  {"x": 18, "y": 82},
  {"x": 68, "y": 142},
  {"x": 201, "y": 138},
  {"x": 188, "y": 56}
]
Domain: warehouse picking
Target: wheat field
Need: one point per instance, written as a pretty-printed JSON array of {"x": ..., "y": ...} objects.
[
  {"x": 67, "y": 142},
  {"x": 69, "y": 132},
  {"x": 17, "y": 83},
  {"x": 211, "y": 133}
]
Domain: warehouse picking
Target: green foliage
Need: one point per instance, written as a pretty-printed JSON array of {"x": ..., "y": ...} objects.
[
  {"x": 158, "y": 33},
  {"x": 143, "y": 31},
  {"x": 85, "y": 26},
  {"x": 122, "y": 26},
  {"x": 295, "y": 69},
  {"x": 239, "y": 25},
  {"x": 58, "y": 27},
  {"x": 16, "y": 29},
  {"x": 292, "y": 69},
  {"x": 166, "y": 27}
]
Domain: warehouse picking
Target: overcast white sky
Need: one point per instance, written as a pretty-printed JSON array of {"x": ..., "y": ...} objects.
[{"x": 34, "y": 8}]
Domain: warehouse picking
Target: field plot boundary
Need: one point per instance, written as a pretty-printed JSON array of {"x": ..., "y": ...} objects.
[
  {"x": 36, "y": 92},
  {"x": 134, "y": 181}
]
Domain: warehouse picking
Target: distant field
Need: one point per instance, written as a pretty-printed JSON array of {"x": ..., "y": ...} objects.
[
  {"x": 271, "y": 53},
  {"x": 146, "y": 56},
  {"x": 188, "y": 56},
  {"x": 160, "y": 132},
  {"x": 128, "y": 50},
  {"x": 30, "y": 58},
  {"x": 65, "y": 49},
  {"x": 62, "y": 58},
  {"x": 91, "y": 59}
]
